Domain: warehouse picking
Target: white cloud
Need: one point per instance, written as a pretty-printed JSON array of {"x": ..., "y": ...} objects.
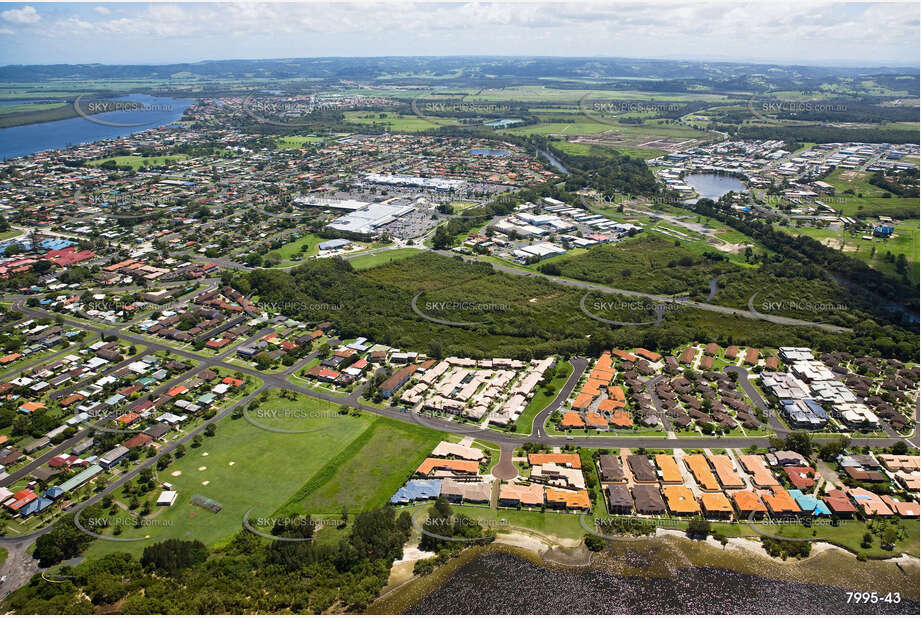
[
  {"x": 6, "y": 31},
  {"x": 25, "y": 15},
  {"x": 782, "y": 30}
]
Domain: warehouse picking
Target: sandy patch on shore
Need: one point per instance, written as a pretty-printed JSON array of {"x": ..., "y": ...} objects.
[
  {"x": 749, "y": 545},
  {"x": 524, "y": 541},
  {"x": 413, "y": 553}
]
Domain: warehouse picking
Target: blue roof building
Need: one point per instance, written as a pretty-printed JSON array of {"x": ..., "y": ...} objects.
[
  {"x": 810, "y": 504},
  {"x": 417, "y": 489}
]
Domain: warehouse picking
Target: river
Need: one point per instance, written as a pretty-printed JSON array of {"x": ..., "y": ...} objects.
[
  {"x": 713, "y": 186},
  {"x": 553, "y": 161},
  {"x": 504, "y": 584},
  {"x": 31, "y": 138}
]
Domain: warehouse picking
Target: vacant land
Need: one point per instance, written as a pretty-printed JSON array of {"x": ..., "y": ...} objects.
[
  {"x": 867, "y": 200},
  {"x": 245, "y": 466},
  {"x": 297, "y": 141},
  {"x": 137, "y": 162},
  {"x": 362, "y": 262},
  {"x": 394, "y": 121},
  {"x": 368, "y": 472},
  {"x": 304, "y": 246},
  {"x": 873, "y": 252}
]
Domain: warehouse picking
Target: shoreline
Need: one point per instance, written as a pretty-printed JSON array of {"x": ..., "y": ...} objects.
[{"x": 673, "y": 553}]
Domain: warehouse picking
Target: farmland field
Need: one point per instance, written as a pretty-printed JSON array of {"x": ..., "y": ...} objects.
[{"x": 394, "y": 121}]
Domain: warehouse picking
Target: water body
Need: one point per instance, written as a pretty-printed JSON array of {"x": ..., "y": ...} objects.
[
  {"x": 553, "y": 161},
  {"x": 713, "y": 186},
  {"x": 489, "y": 153},
  {"x": 504, "y": 584},
  {"x": 32, "y": 138}
]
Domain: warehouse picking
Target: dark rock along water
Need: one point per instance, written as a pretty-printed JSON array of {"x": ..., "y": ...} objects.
[{"x": 504, "y": 584}]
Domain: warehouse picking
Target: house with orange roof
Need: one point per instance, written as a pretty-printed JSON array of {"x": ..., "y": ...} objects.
[
  {"x": 605, "y": 362},
  {"x": 902, "y": 509},
  {"x": 760, "y": 474},
  {"x": 571, "y": 460},
  {"x": 583, "y": 401},
  {"x": 177, "y": 390},
  {"x": 514, "y": 495},
  {"x": 569, "y": 499},
  {"x": 680, "y": 500},
  {"x": 699, "y": 467},
  {"x": 601, "y": 376},
  {"x": 593, "y": 387},
  {"x": 748, "y": 504},
  {"x": 716, "y": 505},
  {"x": 649, "y": 355},
  {"x": 609, "y": 405},
  {"x": 624, "y": 356},
  {"x": 621, "y": 419},
  {"x": 595, "y": 420},
  {"x": 802, "y": 477},
  {"x": 725, "y": 472},
  {"x": 669, "y": 471},
  {"x": 869, "y": 502},
  {"x": 434, "y": 466},
  {"x": 617, "y": 393},
  {"x": 732, "y": 352},
  {"x": 128, "y": 417},
  {"x": 779, "y": 502},
  {"x": 9, "y": 358},
  {"x": 31, "y": 406},
  {"x": 572, "y": 420}
]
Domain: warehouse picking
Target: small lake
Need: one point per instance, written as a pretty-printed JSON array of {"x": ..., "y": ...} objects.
[
  {"x": 713, "y": 186},
  {"x": 32, "y": 138},
  {"x": 489, "y": 153},
  {"x": 504, "y": 584}
]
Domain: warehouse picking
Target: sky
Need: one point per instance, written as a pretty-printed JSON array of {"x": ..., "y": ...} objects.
[{"x": 781, "y": 31}]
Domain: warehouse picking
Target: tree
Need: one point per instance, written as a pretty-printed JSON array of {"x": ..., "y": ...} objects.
[
  {"x": 698, "y": 528},
  {"x": 800, "y": 443},
  {"x": 263, "y": 361},
  {"x": 172, "y": 555}
]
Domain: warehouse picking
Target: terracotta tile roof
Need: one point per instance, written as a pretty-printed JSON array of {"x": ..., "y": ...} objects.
[
  {"x": 680, "y": 500},
  {"x": 671, "y": 473},
  {"x": 564, "y": 459},
  {"x": 761, "y": 475},
  {"x": 572, "y": 419},
  {"x": 456, "y": 465},
  {"x": 531, "y": 495},
  {"x": 572, "y": 499},
  {"x": 748, "y": 501},
  {"x": 699, "y": 467},
  {"x": 725, "y": 473},
  {"x": 714, "y": 502},
  {"x": 595, "y": 420},
  {"x": 779, "y": 502}
]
